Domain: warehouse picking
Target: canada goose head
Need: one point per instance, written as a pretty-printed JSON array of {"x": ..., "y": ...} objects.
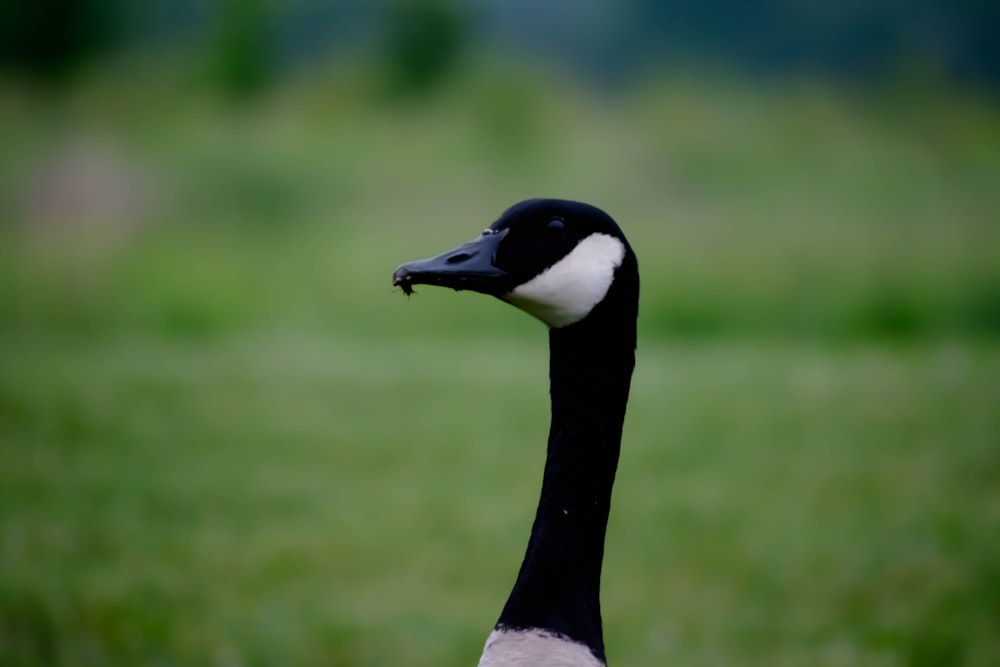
[
  {"x": 569, "y": 265},
  {"x": 560, "y": 261}
]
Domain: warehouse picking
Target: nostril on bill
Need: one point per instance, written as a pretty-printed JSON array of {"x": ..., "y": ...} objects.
[{"x": 458, "y": 257}]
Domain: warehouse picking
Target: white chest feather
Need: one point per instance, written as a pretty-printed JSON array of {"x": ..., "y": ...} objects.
[
  {"x": 567, "y": 291},
  {"x": 535, "y": 648}
]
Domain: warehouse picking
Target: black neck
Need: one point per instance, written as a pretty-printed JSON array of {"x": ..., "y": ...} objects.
[{"x": 558, "y": 587}]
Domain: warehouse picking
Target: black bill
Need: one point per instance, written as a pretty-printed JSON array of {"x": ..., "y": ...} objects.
[{"x": 468, "y": 267}]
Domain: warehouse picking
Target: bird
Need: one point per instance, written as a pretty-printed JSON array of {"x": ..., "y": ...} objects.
[{"x": 569, "y": 265}]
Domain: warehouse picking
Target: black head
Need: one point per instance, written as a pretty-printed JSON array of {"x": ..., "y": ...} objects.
[{"x": 554, "y": 259}]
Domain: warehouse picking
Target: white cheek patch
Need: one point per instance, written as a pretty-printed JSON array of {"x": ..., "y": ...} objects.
[
  {"x": 532, "y": 648},
  {"x": 567, "y": 291}
]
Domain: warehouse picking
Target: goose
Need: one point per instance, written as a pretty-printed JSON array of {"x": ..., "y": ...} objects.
[{"x": 569, "y": 265}]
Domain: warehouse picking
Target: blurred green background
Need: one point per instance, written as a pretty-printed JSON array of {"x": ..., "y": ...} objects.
[{"x": 226, "y": 440}]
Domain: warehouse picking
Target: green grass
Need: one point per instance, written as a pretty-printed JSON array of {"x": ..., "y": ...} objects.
[
  {"x": 288, "y": 498},
  {"x": 225, "y": 440}
]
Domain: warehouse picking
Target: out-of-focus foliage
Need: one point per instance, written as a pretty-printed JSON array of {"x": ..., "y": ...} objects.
[
  {"x": 241, "y": 62},
  {"x": 424, "y": 42},
  {"x": 51, "y": 39},
  {"x": 789, "y": 210},
  {"x": 876, "y": 42}
]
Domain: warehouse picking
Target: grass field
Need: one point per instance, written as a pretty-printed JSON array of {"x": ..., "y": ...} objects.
[{"x": 225, "y": 440}]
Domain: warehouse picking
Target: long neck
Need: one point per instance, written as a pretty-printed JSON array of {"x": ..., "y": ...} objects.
[{"x": 558, "y": 587}]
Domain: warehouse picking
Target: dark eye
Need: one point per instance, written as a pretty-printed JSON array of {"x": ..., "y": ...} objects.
[{"x": 556, "y": 226}]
